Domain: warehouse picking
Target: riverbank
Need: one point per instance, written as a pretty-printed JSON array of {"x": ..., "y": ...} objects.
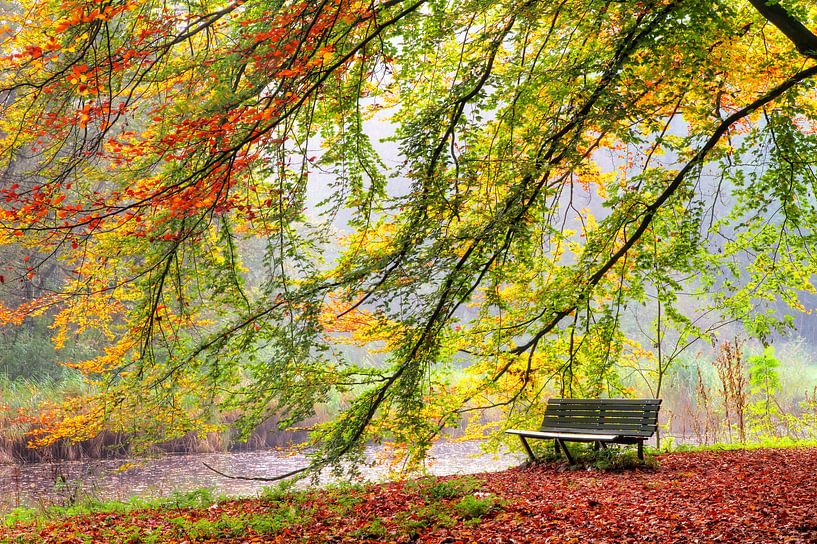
[
  {"x": 33, "y": 485},
  {"x": 747, "y": 496}
]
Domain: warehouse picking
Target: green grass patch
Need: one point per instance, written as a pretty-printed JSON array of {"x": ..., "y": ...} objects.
[
  {"x": 197, "y": 498},
  {"x": 374, "y": 530},
  {"x": 472, "y": 507},
  {"x": 611, "y": 458},
  {"x": 446, "y": 502},
  {"x": 450, "y": 489},
  {"x": 762, "y": 443},
  {"x": 204, "y": 529},
  {"x": 617, "y": 458}
]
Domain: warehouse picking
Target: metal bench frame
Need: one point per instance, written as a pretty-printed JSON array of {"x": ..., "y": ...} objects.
[{"x": 601, "y": 421}]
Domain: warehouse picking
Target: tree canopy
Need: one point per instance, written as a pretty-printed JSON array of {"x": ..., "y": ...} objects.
[{"x": 192, "y": 166}]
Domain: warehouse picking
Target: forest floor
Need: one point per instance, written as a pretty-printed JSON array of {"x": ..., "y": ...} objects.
[{"x": 745, "y": 496}]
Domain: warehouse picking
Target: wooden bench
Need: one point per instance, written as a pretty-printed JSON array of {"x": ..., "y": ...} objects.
[{"x": 601, "y": 421}]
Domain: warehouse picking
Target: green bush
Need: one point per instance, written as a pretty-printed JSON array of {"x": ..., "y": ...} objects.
[
  {"x": 276, "y": 521},
  {"x": 452, "y": 488},
  {"x": 615, "y": 460},
  {"x": 226, "y": 527},
  {"x": 281, "y": 491},
  {"x": 266, "y": 525},
  {"x": 374, "y": 530},
  {"x": 764, "y": 381},
  {"x": 435, "y": 514},
  {"x": 473, "y": 507},
  {"x": 27, "y": 352},
  {"x": 197, "y": 498}
]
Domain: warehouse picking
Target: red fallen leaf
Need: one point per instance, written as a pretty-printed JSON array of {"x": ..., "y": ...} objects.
[{"x": 753, "y": 497}]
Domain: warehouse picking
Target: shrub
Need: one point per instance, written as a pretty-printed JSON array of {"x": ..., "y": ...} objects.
[
  {"x": 452, "y": 488},
  {"x": 197, "y": 498},
  {"x": 615, "y": 460},
  {"x": 473, "y": 507},
  {"x": 373, "y": 530}
]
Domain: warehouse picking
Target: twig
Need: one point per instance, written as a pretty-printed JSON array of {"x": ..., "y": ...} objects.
[{"x": 259, "y": 478}]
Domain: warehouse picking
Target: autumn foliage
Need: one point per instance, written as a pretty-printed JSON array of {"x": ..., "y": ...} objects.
[{"x": 226, "y": 224}]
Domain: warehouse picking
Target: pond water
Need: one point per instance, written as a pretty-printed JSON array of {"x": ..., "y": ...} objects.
[{"x": 61, "y": 483}]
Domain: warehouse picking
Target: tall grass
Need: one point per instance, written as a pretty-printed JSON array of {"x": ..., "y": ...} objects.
[
  {"x": 27, "y": 395},
  {"x": 695, "y": 410},
  {"x": 24, "y": 397},
  {"x": 21, "y": 398}
]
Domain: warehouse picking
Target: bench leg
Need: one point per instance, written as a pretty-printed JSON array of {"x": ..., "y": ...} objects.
[
  {"x": 560, "y": 443},
  {"x": 641, "y": 450},
  {"x": 527, "y": 448}
]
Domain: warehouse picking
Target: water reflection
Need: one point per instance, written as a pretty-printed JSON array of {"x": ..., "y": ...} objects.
[{"x": 48, "y": 483}]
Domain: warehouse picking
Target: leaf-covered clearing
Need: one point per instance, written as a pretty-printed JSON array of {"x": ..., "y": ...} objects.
[{"x": 757, "y": 496}]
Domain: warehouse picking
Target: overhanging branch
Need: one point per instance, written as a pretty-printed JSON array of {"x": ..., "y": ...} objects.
[
  {"x": 803, "y": 39},
  {"x": 652, "y": 209}
]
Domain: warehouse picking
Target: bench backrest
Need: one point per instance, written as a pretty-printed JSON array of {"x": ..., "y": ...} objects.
[{"x": 630, "y": 417}]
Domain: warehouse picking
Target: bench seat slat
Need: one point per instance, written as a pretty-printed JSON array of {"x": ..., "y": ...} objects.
[
  {"x": 621, "y": 429},
  {"x": 612, "y": 407},
  {"x": 570, "y": 436},
  {"x": 644, "y": 415},
  {"x": 599, "y": 421},
  {"x": 588, "y": 406},
  {"x": 596, "y": 411},
  {"x": 611, "y": 429},
  {"x": 596, "y": 424},
  {"x": 553, "y": 422},
  {"x": 604, "y": 401},
  {"x": 602, "y": 416},
  {"x": 579, "y": 430}
]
